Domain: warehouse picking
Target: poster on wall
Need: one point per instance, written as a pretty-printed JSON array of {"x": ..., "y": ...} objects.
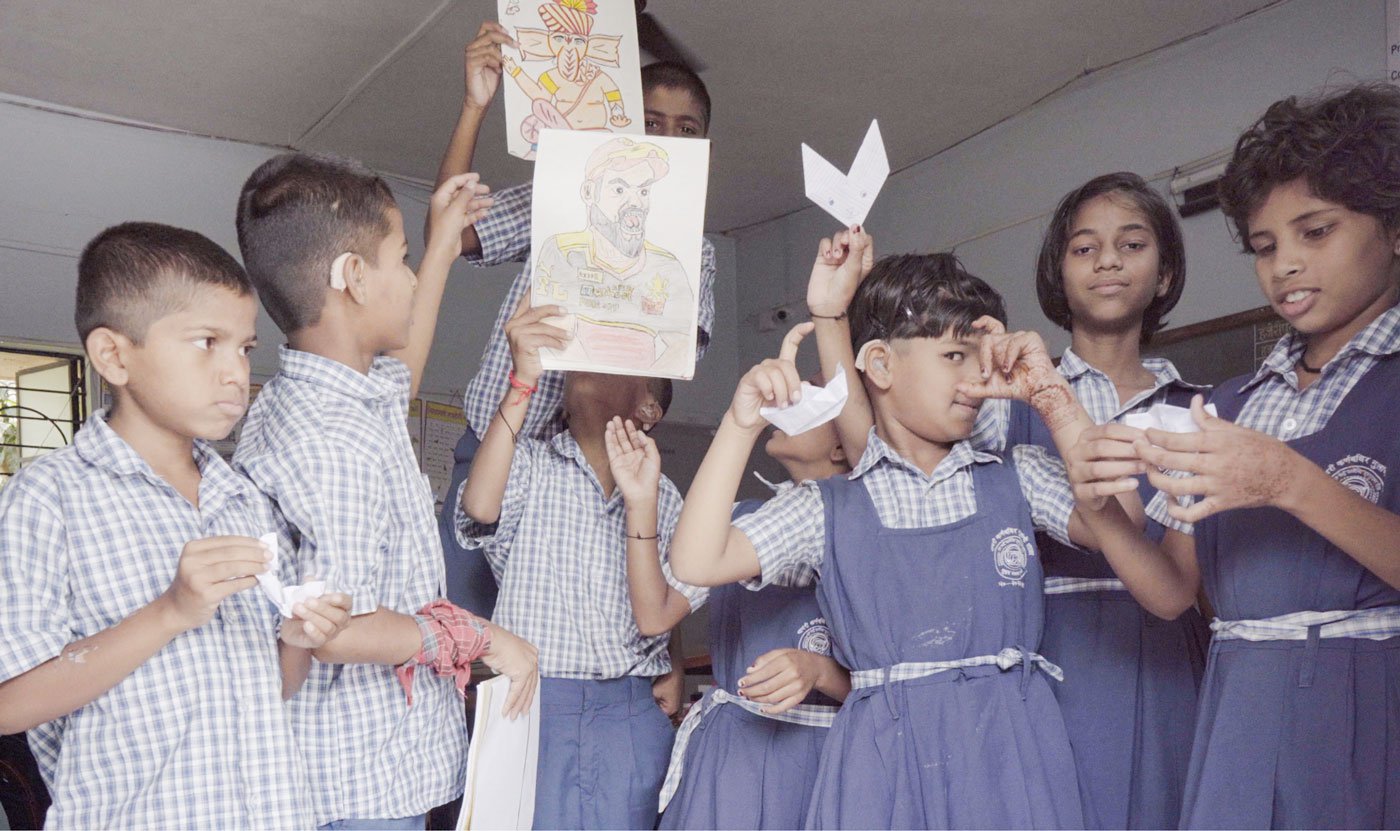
[
  {"x": 443, "y": 425},
  {"x": 577, "y": 68},
  {"x": 617, "y": 226},
  {"x": 1392, "y": 26}
]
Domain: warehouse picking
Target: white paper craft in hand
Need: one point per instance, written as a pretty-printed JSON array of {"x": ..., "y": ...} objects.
[
  {"x": 285, "y": 597},
  {"x": 1166, "y": 417},
  {"x": 818, "y": 406},
  {"x": 848, "y": 197}
]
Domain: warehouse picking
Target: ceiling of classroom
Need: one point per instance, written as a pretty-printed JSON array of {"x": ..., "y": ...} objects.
[{"x": 382, "y": 80}]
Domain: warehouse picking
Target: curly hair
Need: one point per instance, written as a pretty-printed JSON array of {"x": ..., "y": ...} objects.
[
  {"x": 1049, "y": 266},
  {"x": 1345, "y": 145}
]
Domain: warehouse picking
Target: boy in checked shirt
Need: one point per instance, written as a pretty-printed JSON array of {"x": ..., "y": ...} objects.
[
  {"x": 145, "y": 671},
  {"x": 324, "y": 242}
]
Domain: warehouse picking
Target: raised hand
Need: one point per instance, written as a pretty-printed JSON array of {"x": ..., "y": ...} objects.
[
  {"x": 842, "y": 263},
  {"x": 210, "y": 570},
  {"x": 773, "y": 383},
  {"x": 527, "y": 332},
  {"x": 484, "y": 63},
  {"x": 634, "y": 461},
  {"x": 1231, "y": 466},
  {"x": 1017, "y": 365},
  {"x": 1103, "y": 463},
  {"x": 317, "y": 621},
  {"x": 459, "y": 202}
]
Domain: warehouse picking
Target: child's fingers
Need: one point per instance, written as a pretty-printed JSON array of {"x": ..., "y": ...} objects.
[
  {"x": 224, "y": 588},
  {"x": 788, "y": 351},
  {"x": 776, "y": 690},
  {"x": 985, "y": 355},
  {"x": 1186, "y": 462},
  {"x": 1179, "y": 442},
  {"x": 759, "y": 678},
  {"x": 1106, "y": 470},
  {"x": 1179, "y": 485},
  {"x": 784, "y": 705}
]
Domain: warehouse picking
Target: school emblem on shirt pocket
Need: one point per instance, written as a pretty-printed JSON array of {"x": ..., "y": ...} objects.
[
  {"x": 1362, "y": 474},
  {"x": 1012, "y": 551},
  {"x": 815, "y": 636}
]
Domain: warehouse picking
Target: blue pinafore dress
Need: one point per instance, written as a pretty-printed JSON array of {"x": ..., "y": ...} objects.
[
  {"x": 951, "y": 722},
  {"x": 1131, "y": 678},
  {"x": 742, "y": 769},
  {"x": 1299, "y": 727}
]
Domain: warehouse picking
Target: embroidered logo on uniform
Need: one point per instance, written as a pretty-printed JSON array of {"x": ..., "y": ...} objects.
[
  {"x": 1362, "y": 474},
  {"x": 1012, "y": 551},
  {"x": 815, "y": 636}
]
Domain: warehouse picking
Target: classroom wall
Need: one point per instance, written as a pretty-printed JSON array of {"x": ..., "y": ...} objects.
[
  {"x": 989, "y": 198},
  {"x": 66, "y": 178}
]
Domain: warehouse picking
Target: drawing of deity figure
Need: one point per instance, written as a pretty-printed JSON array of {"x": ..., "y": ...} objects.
[
  {"x": 632, "y": 302},
  {"x": 574, "y": 93}
]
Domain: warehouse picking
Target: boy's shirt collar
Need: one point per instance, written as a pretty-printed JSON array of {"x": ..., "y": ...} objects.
[
  {"x": 567, "y": 446},
  {"x": 1380, "y": 338},
  {"x": 100, "y": 446},
  {"x": 1072, "y": 366},
  {"x": 962, "y": 455},
  {"x": 388, "y": 377}
]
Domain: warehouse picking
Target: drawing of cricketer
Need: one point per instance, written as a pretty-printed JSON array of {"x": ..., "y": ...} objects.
[
  {"x": 631, "y": 303},
  {"x": 574, "y": 94}
]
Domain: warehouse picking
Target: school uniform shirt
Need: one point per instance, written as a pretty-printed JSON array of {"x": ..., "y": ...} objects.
[
  {"x": 559, "y": 553},
  {"x": 1276, "y": 405},
  {"x": 505, "y": 237},
  {"x": 197, "y": 736},
  {"x": 789, "y": 531},
  {"x": 330, "y": 447}
]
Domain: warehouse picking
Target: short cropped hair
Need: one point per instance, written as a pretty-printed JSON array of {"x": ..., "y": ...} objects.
[
  {"x": 133, "y": 274},
  {"x": 1049, "y": 267},
  {"x": 297, "y": 213},
  {"x": 1345, "y": 145},
  {"x": 678, "y": 76},
  {"x": 920, "y": 296}
]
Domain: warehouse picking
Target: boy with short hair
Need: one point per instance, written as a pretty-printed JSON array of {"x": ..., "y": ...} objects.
[
  {"x": 676, "y": 104},
  {"x": 556, "y": 532},
  {"x": 145, "y": 671},
  {"x": 324, "y": 241}
]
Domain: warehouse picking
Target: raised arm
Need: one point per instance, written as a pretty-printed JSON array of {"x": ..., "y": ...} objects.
[
  {"x": 483, "y": 75},
  {"x": 486, "y": 483},
  {"x": 699, "y": 555},
  {"x": 842, "y": 262}
]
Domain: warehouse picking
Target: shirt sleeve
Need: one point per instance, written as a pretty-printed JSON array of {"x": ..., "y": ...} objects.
[
  {"x": 668, "y": 514},
  {"x": 1046, "y": 487},
  {"x": 495, "y": 539},
  {"x": 706, "y": 320},
  {"x": 505, "y": 230},
  {"x": 34, "y": 595},
  {"x": 789, "y": 535}
]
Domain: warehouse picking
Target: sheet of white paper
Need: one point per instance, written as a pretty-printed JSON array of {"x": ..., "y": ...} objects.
[
  {"x": 1166, "y": 417},
  {"x": 818, "y": 406},
  {"x": 285, "y": 598},
  {"x": 501, "y": 763},
  {"x": 848, "y": 197}
]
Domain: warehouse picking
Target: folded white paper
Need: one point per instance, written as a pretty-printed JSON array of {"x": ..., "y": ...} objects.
[
  {"x": 817, "y": 406},
  {"x": 848, "y": 197},
  {"x": 501, "y": 763},
  {"x": 285, "y": 598},
  {"x": 1167, "y": 417}
]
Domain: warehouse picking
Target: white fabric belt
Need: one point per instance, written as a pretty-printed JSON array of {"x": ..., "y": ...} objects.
[
  {"x": 808, "y": 715},
  {"x": 1376, "y": 624},
  {"x": 1072, "y": 585},
  {"x": 1009, "y": 658}
]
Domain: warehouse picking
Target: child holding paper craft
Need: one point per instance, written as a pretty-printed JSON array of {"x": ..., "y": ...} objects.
[
  {"x": 145, "y": 670},
  {"x": 1295, "y": 527},
  {"x": 929, "y": 577},
  {"x": 557, "y": 533},
  {"x": 753, "y": 764},
  {"x": 326, "y": 439}
]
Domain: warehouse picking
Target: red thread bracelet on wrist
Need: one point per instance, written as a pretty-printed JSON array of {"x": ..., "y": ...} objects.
[{"x": 525, "y": 389}]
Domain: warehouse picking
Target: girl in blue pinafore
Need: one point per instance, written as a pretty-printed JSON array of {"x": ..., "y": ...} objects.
[
  {"x": 746, "y": 755},
  {"x": 1111, "y": 266},
  {"x": 1296, "y": 514},
  {"x": 924, "y": 562}
]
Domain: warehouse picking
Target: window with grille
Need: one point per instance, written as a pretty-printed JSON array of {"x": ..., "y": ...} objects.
[{"x": 43, "y": 401}]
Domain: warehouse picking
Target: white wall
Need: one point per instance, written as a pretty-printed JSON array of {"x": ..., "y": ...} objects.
[
  {"x": 1174, "y": 107},
  {"x": 65, "y": 178}
]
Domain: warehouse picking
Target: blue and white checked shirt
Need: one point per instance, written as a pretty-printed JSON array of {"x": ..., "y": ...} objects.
[
  {"x": 330, "y": 447},
  {"x": 505, "y": 238},
  {"x": 789, "y": 531},
  {"x": 1277, "y": 407},
  {"x": 559, "y": 553},
  {"x": 198, "y": 735}
]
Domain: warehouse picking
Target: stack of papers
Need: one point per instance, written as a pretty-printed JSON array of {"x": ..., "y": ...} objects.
[{"x": 502, "y": 762}]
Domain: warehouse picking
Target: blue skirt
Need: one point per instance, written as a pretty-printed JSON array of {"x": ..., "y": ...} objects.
[
  {"x": 604, "y": 746},
  {"x": 1294, "y": 734},
  {"x": 1129, "y": 703},
  {"x": 746, "y": 771},
  {"x": 976, "y": 748}
]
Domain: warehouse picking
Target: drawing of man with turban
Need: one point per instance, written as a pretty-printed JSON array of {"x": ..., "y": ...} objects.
[{"x": 574, "y": 93}]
